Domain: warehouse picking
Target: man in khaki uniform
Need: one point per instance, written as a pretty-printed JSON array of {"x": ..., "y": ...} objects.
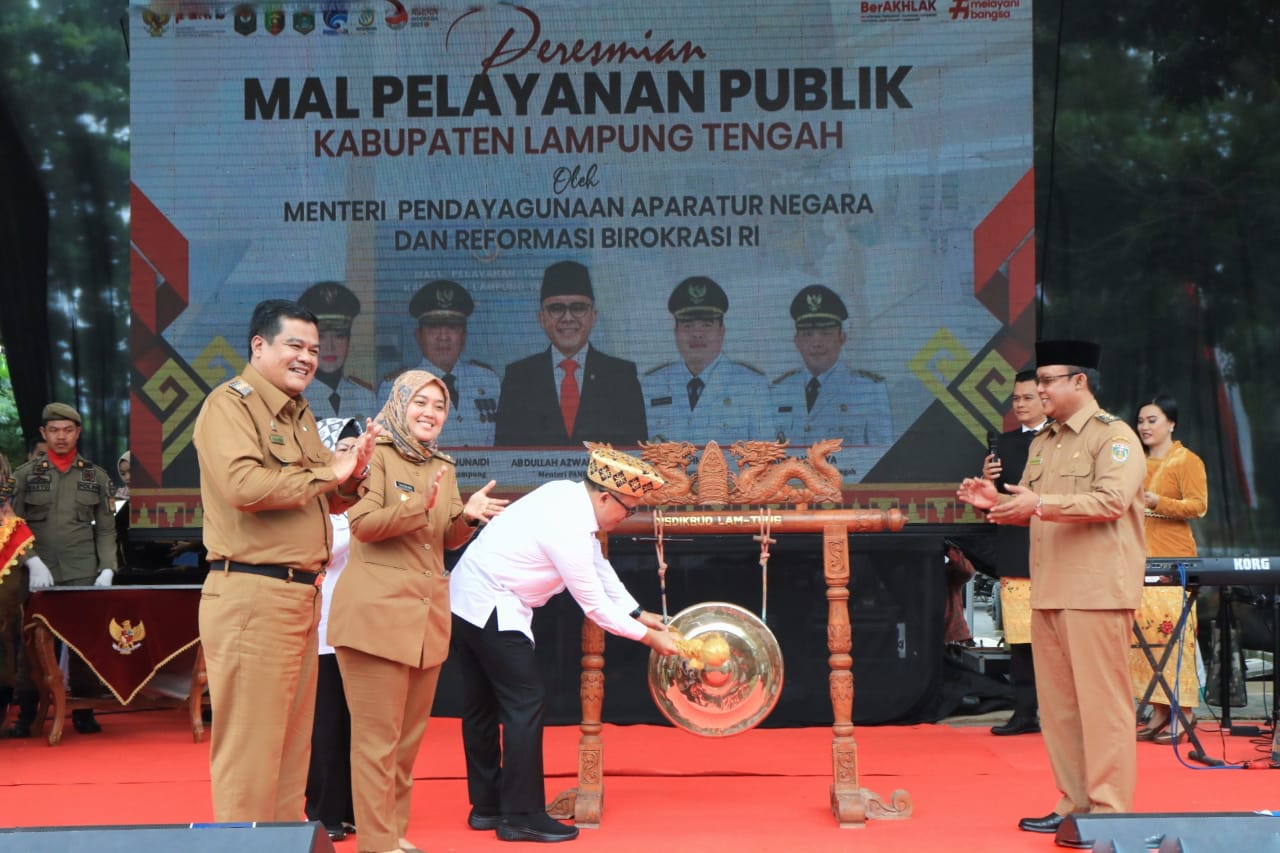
[
  {"x": 66, "y": 501},
  {"x": 1081, "y": 492},
  {"x": 267, "y": 486}
]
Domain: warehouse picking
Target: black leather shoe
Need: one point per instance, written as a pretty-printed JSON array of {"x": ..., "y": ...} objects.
[
  {"x": 482, "y": 820},
  {"x": 85, "y": 723},
  {"x": 20, "y": 728},
  {"x": 535, "y": 827},
  {"x": 336, "y": 833},
  {"x": 1018, "y": 724},
  {"x": 1048, "y": 823}
]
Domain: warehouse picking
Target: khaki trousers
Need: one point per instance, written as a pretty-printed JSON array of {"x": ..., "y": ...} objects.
[
  {"x": 1086, "y": 710},
  {"x": 390, "y": 703},
  {"x": 259, "y": 640}
]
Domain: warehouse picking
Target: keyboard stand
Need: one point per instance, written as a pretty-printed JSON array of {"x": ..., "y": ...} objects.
[{"x": 1158, "y": 680}]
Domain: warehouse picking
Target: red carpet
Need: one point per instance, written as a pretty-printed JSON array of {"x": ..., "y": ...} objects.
[{"x": 665, "y": 790}]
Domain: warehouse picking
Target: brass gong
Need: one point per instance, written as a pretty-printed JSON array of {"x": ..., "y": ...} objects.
[{"x": 729, "y": 682}]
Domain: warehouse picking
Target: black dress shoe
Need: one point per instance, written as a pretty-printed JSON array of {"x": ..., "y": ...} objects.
[
  {"x": 336, "y": 833},
  {"x": 483, "y": 819},
  {"x": 85, "y": 723},
  {"x": 535, "y": 827},
  {"x": 1048, "y": 823},
  {"x": 1018, "y": 724},
  {"x": 20, "y": 728}
]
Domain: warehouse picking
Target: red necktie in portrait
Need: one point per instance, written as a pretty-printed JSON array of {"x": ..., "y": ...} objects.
[{"x": 569, "y": 394}]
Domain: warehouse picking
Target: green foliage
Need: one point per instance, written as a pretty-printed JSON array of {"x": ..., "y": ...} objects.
[
  {"x": 65, "y": 76},
  {"x": 11, "y": 444},
  {"x": 1158, "y": 202}
]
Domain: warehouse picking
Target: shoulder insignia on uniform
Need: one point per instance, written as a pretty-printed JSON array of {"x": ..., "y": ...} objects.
[
  {"x": 867, "y": 374},
  {"x": 786, "y": 375},
  {"x": 8, "y": 486},
  {"x": 654, "y": 370},
  {"x": 757, "y": 371},
  {"x": 474, "y": 363},
  {"x": 445, "y": 457},
  {"x": 357, "y": 381},
  {"x": 244, "y": 389},
  {"x": 1107, "y": 417}
]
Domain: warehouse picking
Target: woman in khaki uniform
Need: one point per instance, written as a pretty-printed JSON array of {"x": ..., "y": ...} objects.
[{"x": 389, "y": 620}]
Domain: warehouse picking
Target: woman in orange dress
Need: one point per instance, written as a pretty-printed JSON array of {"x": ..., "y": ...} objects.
[{"x": 1175, "y": 491}]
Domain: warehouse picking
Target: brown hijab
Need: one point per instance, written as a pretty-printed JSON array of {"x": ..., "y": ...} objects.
[{"x": 394, "y": 415}]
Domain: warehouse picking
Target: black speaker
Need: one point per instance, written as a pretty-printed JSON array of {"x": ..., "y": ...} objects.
[
  {"x": 1189, "y": 832},
  {"x": 190, "y": 838}
]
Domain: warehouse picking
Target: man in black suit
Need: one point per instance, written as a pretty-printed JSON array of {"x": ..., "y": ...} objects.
[
  {"x": 1013, "y": 548},
  {"x": 570, "y": 392}
]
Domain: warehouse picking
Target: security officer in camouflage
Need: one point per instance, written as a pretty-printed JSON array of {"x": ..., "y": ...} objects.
[
  {"x": 827, "y": 398},
  {"x": 703, "y": 396},
  {"x": 441, "y": 308},
  {"x": 66, "y": 501}
]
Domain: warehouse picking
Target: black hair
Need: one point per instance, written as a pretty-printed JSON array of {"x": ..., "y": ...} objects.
[
  {"x": 1025, "y": 376},
  {"x": 268, "y": 314},
  {"x": 351, "y": 429},
  {"x": 1165, "y": 403}
]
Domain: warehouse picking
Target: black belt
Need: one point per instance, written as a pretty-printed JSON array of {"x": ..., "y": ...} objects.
[{"x": 282, "y": 573}]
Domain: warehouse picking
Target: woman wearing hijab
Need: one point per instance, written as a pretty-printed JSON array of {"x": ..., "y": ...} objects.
[{"x": 389, "y": 621}]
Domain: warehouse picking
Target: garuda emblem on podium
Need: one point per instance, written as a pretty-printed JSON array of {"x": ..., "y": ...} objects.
[{"x": 126, "y": 637}]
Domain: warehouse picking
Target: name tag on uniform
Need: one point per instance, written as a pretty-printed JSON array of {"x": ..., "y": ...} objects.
[
  {"x": 783, "y": 410},
  {"x": 404, "y": 487},
  {"x": 660, "y": 401},
  {"x": 1035, "y": 460},
  {"x": 277, "y": 439}
]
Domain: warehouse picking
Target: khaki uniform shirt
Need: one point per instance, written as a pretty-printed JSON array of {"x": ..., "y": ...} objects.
[
  {"x": 263, "y": 475},
  {"x": 70, "y": 515},
  {"x": 1088, "y": 551},
  {"x": 392, "y": 600}
]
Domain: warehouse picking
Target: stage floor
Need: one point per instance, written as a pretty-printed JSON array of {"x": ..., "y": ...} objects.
[{"x": 763, "y": 790}]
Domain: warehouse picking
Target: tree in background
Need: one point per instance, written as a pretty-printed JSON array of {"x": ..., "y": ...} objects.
[
  {"x": 11, "y": 443},
  {"x": 65, "y": 80},
  {"x": 1158, "y": 209}
]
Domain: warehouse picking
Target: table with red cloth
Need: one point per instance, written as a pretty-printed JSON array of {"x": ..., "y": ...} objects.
[{"x": 125, "y": 634}]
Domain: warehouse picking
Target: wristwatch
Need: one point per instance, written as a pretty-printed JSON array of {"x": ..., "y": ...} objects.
[{"x": 635, "y": 614}]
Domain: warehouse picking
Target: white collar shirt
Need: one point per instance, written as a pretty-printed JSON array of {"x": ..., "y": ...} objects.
[{"x": 541, "y": 544}]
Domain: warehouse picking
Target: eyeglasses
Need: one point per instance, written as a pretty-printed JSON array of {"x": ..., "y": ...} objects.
[
  {"x": 577, "y": 309},
  {"x": 1049, "y": 380},
  {"x": 630, "y": 510}
]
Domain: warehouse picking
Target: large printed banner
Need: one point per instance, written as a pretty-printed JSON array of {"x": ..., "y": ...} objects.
[{"x": 769, "y": 220}]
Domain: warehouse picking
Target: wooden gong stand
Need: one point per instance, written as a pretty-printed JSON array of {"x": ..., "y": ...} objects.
[{"x": 851, "y": 804}]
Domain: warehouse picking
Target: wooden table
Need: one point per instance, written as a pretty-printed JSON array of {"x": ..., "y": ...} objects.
[{"x": 125, "y": 634}]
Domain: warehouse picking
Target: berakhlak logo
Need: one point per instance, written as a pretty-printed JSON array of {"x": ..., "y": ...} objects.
[
  {"x": 397, "y": 16},
  {"x": 246, "y": 20}
]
